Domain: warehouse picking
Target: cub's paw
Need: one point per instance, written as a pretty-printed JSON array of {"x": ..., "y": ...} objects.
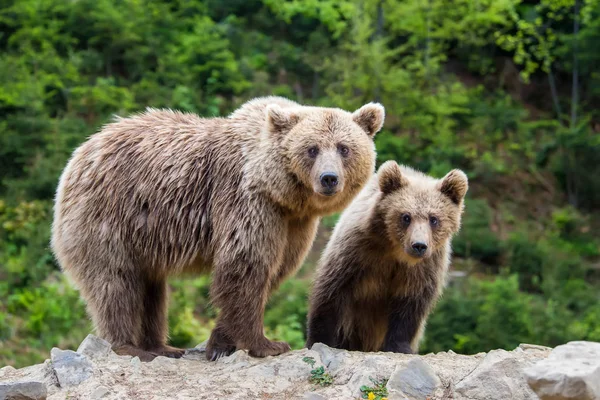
[{"x": 269, "y": 348}]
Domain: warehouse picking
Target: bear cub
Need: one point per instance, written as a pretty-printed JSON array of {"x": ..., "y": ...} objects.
[{"x": 386, "y": 263}]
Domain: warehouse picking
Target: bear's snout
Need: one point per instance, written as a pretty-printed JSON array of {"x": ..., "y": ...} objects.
[
  {"x": 419, "y": 249},
  {"x": 329, "y": 182}
]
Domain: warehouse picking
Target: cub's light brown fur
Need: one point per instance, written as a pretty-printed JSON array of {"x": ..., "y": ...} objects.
[
  {"x": 386, "y": 263},
  {"x": 164, "y": 193}
]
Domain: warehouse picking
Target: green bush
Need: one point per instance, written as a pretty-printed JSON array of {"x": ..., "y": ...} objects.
[
  {"x": 476, "y": 239},
  {"x": 527, "y": 260}
]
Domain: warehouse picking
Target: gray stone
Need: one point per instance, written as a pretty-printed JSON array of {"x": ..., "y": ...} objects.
[
  {"x": 314, "y": 396},
  {"x": 333, "y": 359},
  {"x": 23, "y": 391},
  {"x": 416, "y": 380},
  {"x": 71, "y": 368},
  {"x": 196, "y": 354},
  {"x": 498, "y": 376},
  {"x": 236, "y": 357},
  {"x": 571, "y": 371},
  {"x": 136, "y": 364},
  {"x": 533, "y": 347},
  {"x": 99, "y": 393},
  {"x": 93, "y": 347}
]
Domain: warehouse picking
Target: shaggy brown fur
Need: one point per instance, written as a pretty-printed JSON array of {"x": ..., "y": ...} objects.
[
  {"x": 385, "y": 265},
  {"x": 165, "y": 193}
]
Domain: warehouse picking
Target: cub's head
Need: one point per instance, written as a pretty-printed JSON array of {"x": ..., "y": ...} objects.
[
  {"x": 421, "y": 213},
  {"x": 330, "y": 152}
]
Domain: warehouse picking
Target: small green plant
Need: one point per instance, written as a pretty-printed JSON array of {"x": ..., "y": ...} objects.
[
  {"x": 309, "y": 360},
  {"x": 376, "y": 392},
  {"x": 318, "y": 376}
]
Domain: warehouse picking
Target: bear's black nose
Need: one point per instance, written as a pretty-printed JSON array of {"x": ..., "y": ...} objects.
[
  {"x": 329, "y": 180},
  {"x": 419, "y": 248}
]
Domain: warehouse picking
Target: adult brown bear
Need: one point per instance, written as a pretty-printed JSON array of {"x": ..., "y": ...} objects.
[{"x": 165, "y": 193}]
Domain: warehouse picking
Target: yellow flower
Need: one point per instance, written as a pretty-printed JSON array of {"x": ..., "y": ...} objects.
[
  {"x": 371, "y": 396},
  {"x": 384, "y": 398}
]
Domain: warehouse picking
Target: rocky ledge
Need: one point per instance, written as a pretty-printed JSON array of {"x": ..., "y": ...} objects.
[{"x": 570, "y": 371}]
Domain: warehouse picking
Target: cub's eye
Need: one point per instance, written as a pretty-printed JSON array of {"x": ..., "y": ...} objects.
[
  {"x": 344, "y": 150},
  {"x": 313, "y": 152},
  {"x": 406, "y": 219},
  {"x": 433, "y": 221}
]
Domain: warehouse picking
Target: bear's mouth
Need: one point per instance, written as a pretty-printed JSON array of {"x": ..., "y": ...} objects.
[
  {"x": 416, "y": 255},
  {"x": 327, "y": 192}
]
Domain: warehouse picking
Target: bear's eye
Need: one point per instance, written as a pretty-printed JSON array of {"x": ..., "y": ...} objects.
[
  {"x": 344, "y": 150},
  {"x": 313, "y": 152},
  {"x": 406, "y": 219},
  {"x": 434, "y": 221}
]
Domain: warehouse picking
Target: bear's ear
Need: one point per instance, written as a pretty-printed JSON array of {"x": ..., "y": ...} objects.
[
  {"x": 390, "y": 177},
  {"x": 455, "y": 185},
  {"x": 370, "y": 118},
  {"x": 279, "y": 119}
]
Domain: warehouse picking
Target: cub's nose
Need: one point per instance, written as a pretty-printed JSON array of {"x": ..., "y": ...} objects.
[
  {"x": 419, "y": 248},
  {"x": 329, "y": 180}
]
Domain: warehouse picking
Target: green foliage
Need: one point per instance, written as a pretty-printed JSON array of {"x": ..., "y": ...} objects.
[
  {"x": 320, "y": 377},
  {"x": 376, "y": 392},
  {"x": 476, "y": 238},
  {"x": 190, "y": 314},
  {"x": 309, "y": 360}
]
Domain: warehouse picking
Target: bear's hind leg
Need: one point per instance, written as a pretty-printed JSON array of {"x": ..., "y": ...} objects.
[
  {"x": 115, "y": 303},
  {"x": 154, "y": 320}
]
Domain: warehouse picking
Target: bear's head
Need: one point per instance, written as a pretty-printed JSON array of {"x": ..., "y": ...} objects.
[
  {"x": 420, "y": 213},
  {"x": 329, "y": 151}
]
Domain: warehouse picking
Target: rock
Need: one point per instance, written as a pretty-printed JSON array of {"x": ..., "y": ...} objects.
[
  {"x": 533, "y": 347},
  {"x": 6, "y": 370},
  {"x": 71, "y": 368},
  {"x": 93, "y": 347},
  {"x": 237, "y": 357},
  {"x": 571, "y": 371},
  {"x": 99, "y": 393},
  {"x": 136, "y": 364},
  {"x": 498, "y": 376},
  {"x": 195, "y": 354},
  {"x": 417, "y": 380},
  {"x": 331, "y": 358},
  {"x": 314, "y": 396},
  {"x": 23, "y": 391},
  {"x": 241, "y": 377}
]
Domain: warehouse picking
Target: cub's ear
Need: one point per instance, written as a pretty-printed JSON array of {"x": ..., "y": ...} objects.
[
  {"x": 280, "y": 120},
  {"x": 370, "y": 118},
  {"x": 390, "y": 177},
  {"x": 455, "y": 185}
]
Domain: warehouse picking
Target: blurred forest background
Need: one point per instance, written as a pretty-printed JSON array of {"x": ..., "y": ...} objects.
[{"x": 507, "y": 90}]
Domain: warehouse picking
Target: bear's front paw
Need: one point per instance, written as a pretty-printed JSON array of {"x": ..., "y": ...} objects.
[
  {"x": 269, "y": 348},
  {"x": 213, "y": 353}
]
